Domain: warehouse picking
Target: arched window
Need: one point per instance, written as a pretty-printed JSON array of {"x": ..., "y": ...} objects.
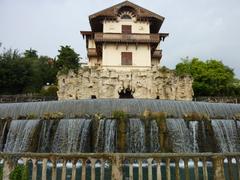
[{"x": 126, "y": 16}]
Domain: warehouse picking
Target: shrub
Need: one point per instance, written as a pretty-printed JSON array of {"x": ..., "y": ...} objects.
[
  {"x": 194, "y": 116},
  {"x": 53, "y": 116},
  {"x": 49, "y": 91}
]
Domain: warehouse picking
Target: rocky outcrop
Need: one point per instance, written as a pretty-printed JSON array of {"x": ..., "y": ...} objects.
[{"x": 100, "y": 83}]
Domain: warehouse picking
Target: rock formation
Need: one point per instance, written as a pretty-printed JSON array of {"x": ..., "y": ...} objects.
[{"x": 154, "y": 83}]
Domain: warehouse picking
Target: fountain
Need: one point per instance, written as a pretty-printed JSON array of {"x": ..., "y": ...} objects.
[{"x": 71, "y": 134}]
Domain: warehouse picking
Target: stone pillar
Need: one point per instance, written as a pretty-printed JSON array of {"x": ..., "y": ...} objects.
[
  {"x": 116, "y": 168},
  {"x": 196, "y": 174},
  {"x": 205, "y": 172},
  {"x": 34, "y": 169},
  {"x": 186, "y": 170},
  {"x": 218, "y": 170},
  {"x": 140, "y": 172},
  {"x": 177, "y": 172},
  {"x": 64, "y": 171},
  {"x": 168, "y": 172},
  {"x": 102, "y": 169},
  {"x": 7, "y": 169},
  {"x": 54, "y": 170},
  {"x": 93, "y": 174},
  {"x": 150, "y": 169},
  {"x": 74, "y": 169},
  {"x": 159, "y": 173},
  {"x": 83, "y": 169},
  {"x": 130, "y": 169},
  {"x": 44, "y": 169}
]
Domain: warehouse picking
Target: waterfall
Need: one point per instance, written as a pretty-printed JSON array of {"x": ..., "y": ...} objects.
[
  {"x": 136, "y": 136},
  {"x": 106, "y": 136},
  {"x": 107, "y": 106},
  {"x": 110, "y": 136},
  {"x": 99, "y": 147},
  {"x": 79, "y": 135},
  {"x": 21, "y": 134},
  {"x": 226, "y": 134},
  {"x": 179, "y": 135},
  {"x": 3, "y": 129},
  {"x": 193, "y": 126},
  {"x": 72, "y": 136},
  {"x": 154, "y": 137},
  {"x": 46, "y": 135}
]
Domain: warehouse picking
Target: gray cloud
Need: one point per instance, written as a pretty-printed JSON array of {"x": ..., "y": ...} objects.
[{"x": 207, "y": 29}]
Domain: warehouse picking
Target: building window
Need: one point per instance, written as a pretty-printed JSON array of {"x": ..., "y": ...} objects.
[
  {"x": 126, "y": 29},
  {"x": 126, "y": 58},
  {"x": 126, "y": 16}
]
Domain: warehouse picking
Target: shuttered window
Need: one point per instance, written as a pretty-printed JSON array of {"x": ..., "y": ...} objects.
[
  {"x": 126, "y": 58},
  {"x": 126, "y": 29}
]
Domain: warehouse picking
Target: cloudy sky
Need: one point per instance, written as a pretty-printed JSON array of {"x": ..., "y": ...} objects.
[{"x": 208, "y": 29}]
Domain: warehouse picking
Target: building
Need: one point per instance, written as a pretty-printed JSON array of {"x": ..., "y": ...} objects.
[
  {"x": 125, "y": 36},
  {"x": 124, "y": 54}
]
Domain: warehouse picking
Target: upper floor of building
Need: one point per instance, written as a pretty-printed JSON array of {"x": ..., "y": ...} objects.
[{"x": 129, "y": 25}]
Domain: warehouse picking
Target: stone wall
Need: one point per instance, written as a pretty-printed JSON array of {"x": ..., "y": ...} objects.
[{"x": 150, "y": 84}]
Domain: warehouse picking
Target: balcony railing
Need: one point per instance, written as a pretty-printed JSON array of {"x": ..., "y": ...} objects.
[
  {"x": 129, "y": 38},
  {"x": 118, "y": 166}
]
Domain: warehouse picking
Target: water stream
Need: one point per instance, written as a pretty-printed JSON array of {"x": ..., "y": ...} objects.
[{"x": 78, "y": 135}]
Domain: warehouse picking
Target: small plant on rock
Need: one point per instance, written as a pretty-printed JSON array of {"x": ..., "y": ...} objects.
[
  {"x": 194, "y": 116},
  {"x": 236, "y": 116},
  {"x": 53, "y": 116}
]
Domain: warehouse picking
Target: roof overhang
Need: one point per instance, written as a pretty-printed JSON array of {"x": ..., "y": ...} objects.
[{"x": 112, "y": 14}]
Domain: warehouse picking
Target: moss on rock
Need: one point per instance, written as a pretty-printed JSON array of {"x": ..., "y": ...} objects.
[
  {"x": 195, "y": 116},
  {"x": 53, "y": 116}
]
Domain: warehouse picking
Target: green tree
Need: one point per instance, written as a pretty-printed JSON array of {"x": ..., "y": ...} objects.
[
  {"x": 13, "y": 72},
  {"x": 211, "y": 78},
  {"x": 43, "y": 71},
  {"x": 31, "y": 53},
  {"x": 27, "y": 73},
  {"x": 67, "y": 59}
]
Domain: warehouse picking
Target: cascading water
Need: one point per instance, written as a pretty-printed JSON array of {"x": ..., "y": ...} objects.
[
  {"x": 225, "y": 132},
  {"x": 72, "y": 136},
  {"x": 3, "y": 125},
  {"x": 136, "y": 136},
  {"x": 100, "y": 136},
  {"x": 179, "y": 135},
  {"x": 154, "y": 137},
  {"x": 106, "y": 136},
  {"x": 46, "y": 135},
  {"x": 107, "y": 106},
  {"x": 85, "y": 135},
  {"x": 21, "y": 134},
  {"x": 193, "y": 127},
  {"x": 110, "y": 136}
]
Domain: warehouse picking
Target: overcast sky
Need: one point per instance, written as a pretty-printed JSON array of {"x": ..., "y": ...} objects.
[{"x": 208, "y": 29}]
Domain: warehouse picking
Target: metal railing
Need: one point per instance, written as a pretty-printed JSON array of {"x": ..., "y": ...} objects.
[
  {"x": 212, "y": 99},
  {"x": 25, "y": 98},
  {"x": 157, "y": 165}
]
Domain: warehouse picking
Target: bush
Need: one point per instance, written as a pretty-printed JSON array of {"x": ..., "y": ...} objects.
[
  {"x": 19, "y": 173},
  {"x": 49, "y": 91},
  {"x": 53, "y": 116},
  {"x": 194, "y": 116}
]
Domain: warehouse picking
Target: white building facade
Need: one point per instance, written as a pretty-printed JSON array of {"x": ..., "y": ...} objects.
[{"x": 123, "y": 37}]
